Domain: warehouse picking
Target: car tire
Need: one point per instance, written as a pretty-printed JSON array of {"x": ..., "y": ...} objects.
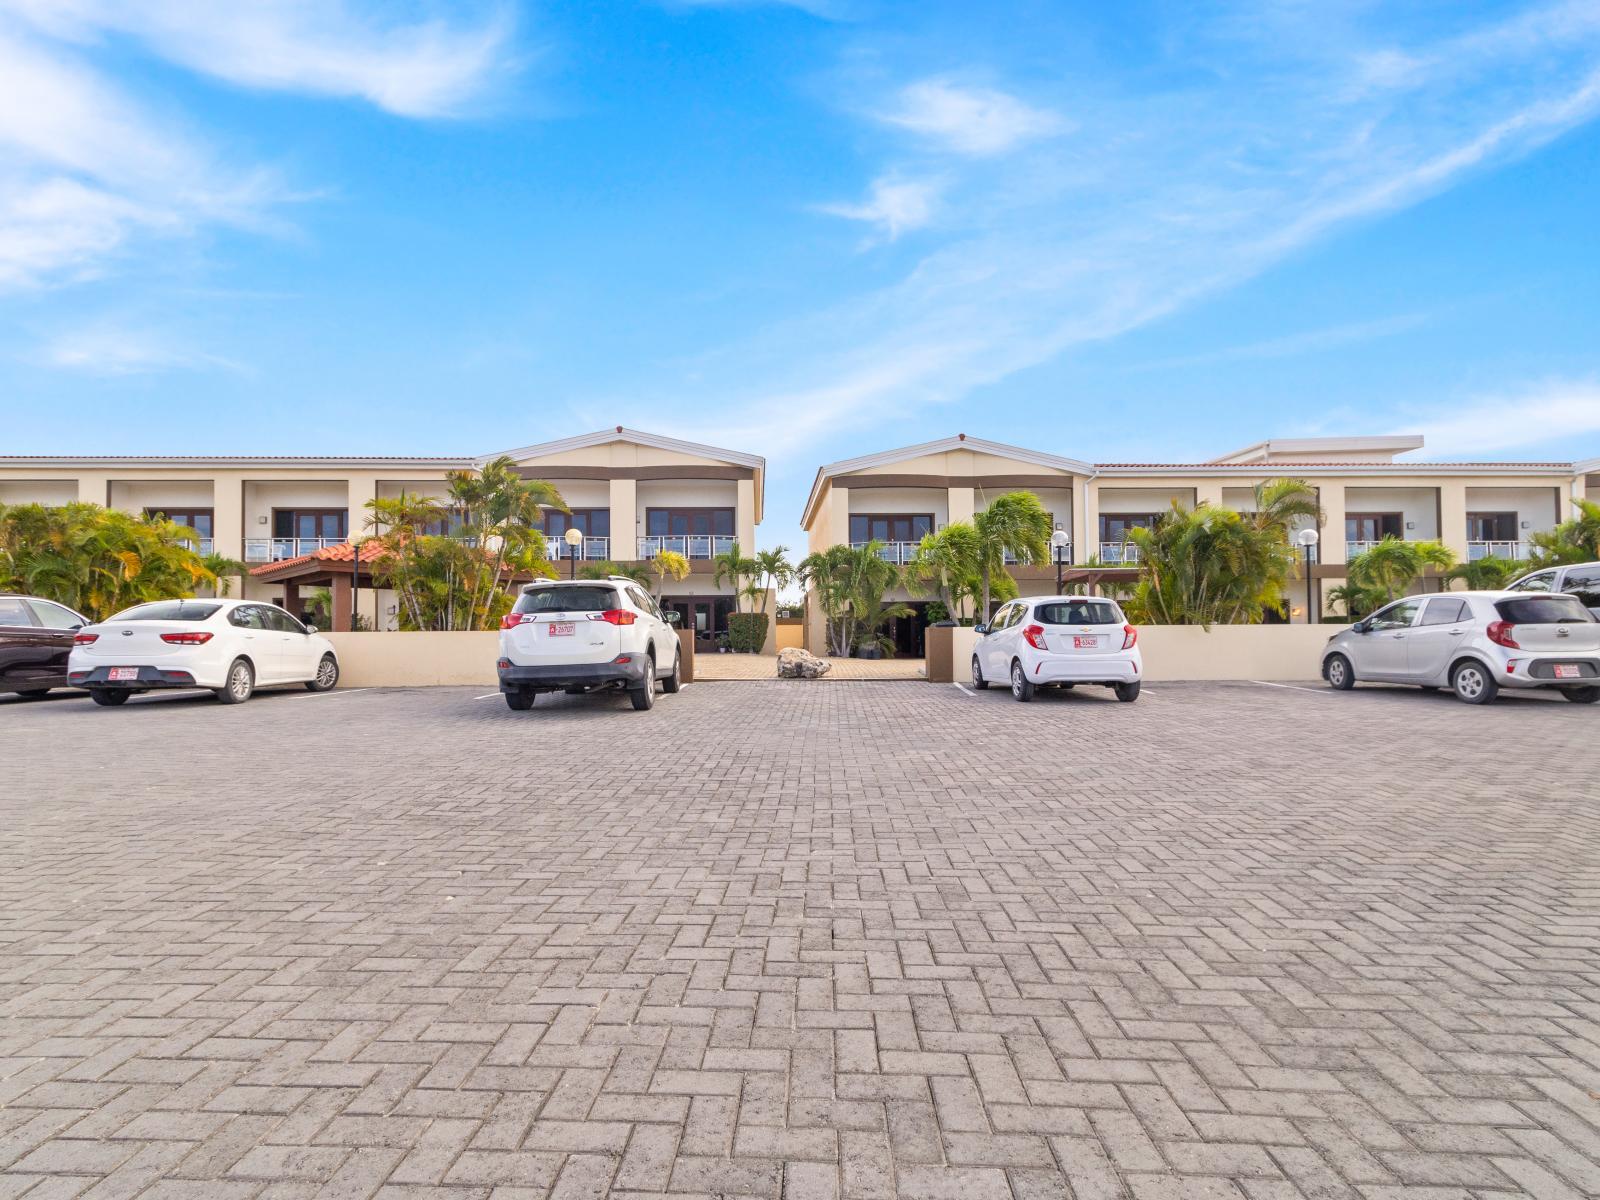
[
  {"x": 1128, "y": 692},
  {"x": 1582, "y": 695},
  {"x": 1472, "y": 683},
  {"x": 108, "y": 698},
  {"x": 1021, "y": 685},
  {"x": 978, "y": 681},
  {"x": 327, "y": 675},
  {"x": 644, "y": 696},
  {"x": 520, "y": 701},
  {"x": 34, "y": 693},
  {"x": 241, "y": 683},
  {"x": 1341, "y": 676},
  {"x": 673, "y": 683}
]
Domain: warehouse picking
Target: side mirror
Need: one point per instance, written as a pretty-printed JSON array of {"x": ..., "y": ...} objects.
[
  {"x": 980, "y": 629},
  {"x": 1361, "y": 626},
  {"x": 311, "y": 629},
  {"x": 673, "y": 616}
]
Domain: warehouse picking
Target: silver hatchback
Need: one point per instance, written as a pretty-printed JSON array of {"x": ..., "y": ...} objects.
[{"x": 1473, "y": 643}]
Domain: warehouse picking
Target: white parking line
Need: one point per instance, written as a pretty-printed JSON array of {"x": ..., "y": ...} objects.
[
  {"x": 1293, "y": 687},
  {"x": 965, "y": 689},
  {"x": 345, "y": 692},
  {"x": 490, "y": 696}
]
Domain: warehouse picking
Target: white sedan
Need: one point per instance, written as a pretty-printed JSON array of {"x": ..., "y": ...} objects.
[
  {"x": 1059, "y": 641},
  {"x": 229, "y": 646}
]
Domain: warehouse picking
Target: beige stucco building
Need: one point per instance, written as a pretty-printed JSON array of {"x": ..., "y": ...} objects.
[
  {"x": 630, "y": 495},
  {"x": 1366, "y": 491}
]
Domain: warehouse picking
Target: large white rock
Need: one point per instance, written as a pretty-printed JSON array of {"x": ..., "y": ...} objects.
[{"x": 795, "y": 663}]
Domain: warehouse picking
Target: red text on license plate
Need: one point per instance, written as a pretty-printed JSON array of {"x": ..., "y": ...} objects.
[
  {"x": 560, "y": 628},
  {"x": 1566, "y": 671},
  {"x": 120, "y": 674},
  {"x": 1085, "y": 643}
]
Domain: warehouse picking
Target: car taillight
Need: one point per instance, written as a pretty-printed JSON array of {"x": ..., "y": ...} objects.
[
  {"x": 83, "y": 639},
  {"x": 186, "y": 639},
  {"x": 1130, "y": 636},
  {"x": 511, "y": 620},
  {"x": 1499, "y": 632},
  {"x": 617, "y": 616},
  {"x": 1034, "y": 636}
]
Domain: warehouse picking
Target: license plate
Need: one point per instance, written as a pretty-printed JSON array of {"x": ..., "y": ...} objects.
[
  {"x": 561, "y": 628},
  {"x": 1568, "y": 671},
  {"x": 123, "y": 674},
  {"x": 1085, "y": 643}
]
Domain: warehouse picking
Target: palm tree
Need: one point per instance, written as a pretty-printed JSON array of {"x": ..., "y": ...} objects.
[
  {"x": 775, "y": 571},
  {"x": 1209, "y": 565},
  {"x": 1016, "y": 524},
  {"x": 1280, "y": 504},
  {"x": 1357, "y": 599},
  {"x": 603, "y": 569},
  {"x": 731, "y": 566},
  {"x": 1573, "y": 541},
  {"x": 1393, "y": 565},
  {"x": 946, "y": 564},
  {"x": 667, "y": 564},
  {"x": 1485, "y": 574},
  {"x": 225, "y": 569},
  {"x": 849, "y": 583}
]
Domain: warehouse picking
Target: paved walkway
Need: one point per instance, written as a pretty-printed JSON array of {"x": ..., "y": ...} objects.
[
  {"x": 765, "y": 666},
  {"x": 1227, "y": 943}
]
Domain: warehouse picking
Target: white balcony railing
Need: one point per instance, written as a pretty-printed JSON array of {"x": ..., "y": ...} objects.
[
  {"x": 1351, "y": 549},
  {"x": 593, "y": 549},
  {"x": 1119, "y": 553},
  {"x": 203, "y": 546},
  {"x": 1511, "y": 550},
  {"x": 690, "y": 545},
  {"x": 259, "y": 550},
  {"x": 1049, "y": 560},
  {"x": 898, "y": 553}
]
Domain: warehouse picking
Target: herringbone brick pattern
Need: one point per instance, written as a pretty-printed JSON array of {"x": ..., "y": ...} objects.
[{"x": 1229, "y": 943}]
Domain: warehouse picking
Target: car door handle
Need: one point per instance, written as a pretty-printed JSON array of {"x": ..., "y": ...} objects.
[
  {"x": 1458, "y": 633},
  {"x": 1399, "y": 635}
]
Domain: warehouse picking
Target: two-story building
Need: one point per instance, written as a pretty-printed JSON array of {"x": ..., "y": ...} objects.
[
  {"x": 1366, "y": 492},
  {"x": 630, "y": 495}
]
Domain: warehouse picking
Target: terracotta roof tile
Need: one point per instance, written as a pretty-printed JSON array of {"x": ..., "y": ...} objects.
[{"x": 371, "y": 551}]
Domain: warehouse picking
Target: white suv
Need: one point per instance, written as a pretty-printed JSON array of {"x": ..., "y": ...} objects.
[
  {"x": 1059, "y": 641},
  {"x": 586, "y": 635}
]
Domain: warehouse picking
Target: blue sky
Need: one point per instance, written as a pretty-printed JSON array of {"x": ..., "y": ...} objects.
[{"x": 809, "y": 230}]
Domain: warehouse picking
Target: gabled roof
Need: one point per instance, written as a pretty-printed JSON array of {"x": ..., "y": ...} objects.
[
  {"x": 960, "y": 441},
  {"x": 1311, "y": 447},
  {"x": 621, "y": 433}
]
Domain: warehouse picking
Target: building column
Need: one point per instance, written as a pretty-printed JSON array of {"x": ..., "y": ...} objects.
[
  {"x": 94, "y": 489},
  {"x": 744, "y": 516},
  {"x": 291, "y": 599},
  {"x": 1208, "y": 493},
  {"x": 1330, "y": 550},
  {"x": 1453, "y": 516},
  {"x": 962, "y": 503},
  {"x": 342, "y": 596},
  {"x": 359, "y": 490},
  {"x": 624, "y": 502},
  {"x": 227, "y": 516},
  {"x": 837, "y": 517},
  {"x": 1086, "y": 522}
]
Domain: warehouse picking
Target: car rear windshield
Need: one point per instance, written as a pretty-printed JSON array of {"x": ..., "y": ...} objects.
[
  {"x": 1078, "y": 612},
  {"x": 1543, "y": 610},
  {"x": 170, "y": 610},
  {"x": 568, "y": 598}
]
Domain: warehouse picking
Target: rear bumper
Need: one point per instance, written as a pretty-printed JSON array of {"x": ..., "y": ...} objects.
[
  {"x": 1096, "y": 669},
  {"x": 515, "y": 678},
  {"x": 1538, "y": 670},
  {"x": 149, "y": 677}
]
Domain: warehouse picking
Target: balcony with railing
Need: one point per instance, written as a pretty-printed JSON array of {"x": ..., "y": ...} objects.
[
  {"x": 592, "y": 549},
  {"x": 1515, "y": 551},
  {"x": 693, "y": 546},
  {"x": 898, "y": 553},
  {"x": 200, "y": 546},
  {"x": 260, "y": 550},
  {"x": 1119, "y": 554}
]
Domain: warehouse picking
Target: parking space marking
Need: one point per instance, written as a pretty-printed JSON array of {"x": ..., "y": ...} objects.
[
  {"x": 490, "y": 696},
  {"x": 1293, "y": 687},
  {"x": 344, "y": 692},
  {"x": 966, "y": 689}
]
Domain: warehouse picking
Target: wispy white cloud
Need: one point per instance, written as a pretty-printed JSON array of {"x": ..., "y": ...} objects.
[
  {"x": 974, "y": 121},
  {"x": 86, "y": 167},
  {"x": 1542, "y": 414},
  {"x": 1153, "y": 203},
  {"x": 893, "y": 204},
  {"x": 1312, "y": 341},
  {"x": 110, "y": 350}
]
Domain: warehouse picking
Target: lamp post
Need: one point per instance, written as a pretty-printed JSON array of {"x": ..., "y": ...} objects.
[
  {"x": 1058, "y": 544},
  {"x": 574, "y": 538},
  {"x": 1307, "y": 538}
]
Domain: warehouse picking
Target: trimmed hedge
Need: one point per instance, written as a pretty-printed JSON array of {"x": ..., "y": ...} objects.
[{"x": 747, "y": 632}]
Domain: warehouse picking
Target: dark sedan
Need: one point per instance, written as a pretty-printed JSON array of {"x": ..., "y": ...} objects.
[{"x": 35, "y": 640}]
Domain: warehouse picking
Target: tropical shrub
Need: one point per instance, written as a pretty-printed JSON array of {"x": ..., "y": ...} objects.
[
  {"x": 775, "y": 572},
  {"x": 731, "y": 566},
  {"x": 849, "y": 585},
  {"x": 1016, "y": 524},
  {"x": 97, "y": 560},
  {"x": 1356, "y": 599},
  {"x": 667, "y": 564},
  {"x": 459, "y": 581},
  {"x": 1208, "y": 566},
  {"x": 1573, "y": 541},
  {"x": 1485, "y": 574},
  {"x": 747, "y": 632},
  {"x": 1393, "y": 565},
  {"x": 945, "y": 565}
]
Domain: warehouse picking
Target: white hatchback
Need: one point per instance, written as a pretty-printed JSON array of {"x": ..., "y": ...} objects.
[
  {"x": 1059, "y": 641},
  {"x": 228, "y": 646}
]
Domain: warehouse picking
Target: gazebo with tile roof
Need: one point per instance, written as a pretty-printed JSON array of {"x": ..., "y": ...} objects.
[{"x": 333, "y": 567}]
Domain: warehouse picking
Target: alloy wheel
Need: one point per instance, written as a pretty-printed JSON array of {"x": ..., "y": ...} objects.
[{"x": 327, "y": 674}]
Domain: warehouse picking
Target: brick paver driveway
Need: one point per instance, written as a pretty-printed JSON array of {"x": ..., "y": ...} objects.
[{"x": 769, "y": 939}]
